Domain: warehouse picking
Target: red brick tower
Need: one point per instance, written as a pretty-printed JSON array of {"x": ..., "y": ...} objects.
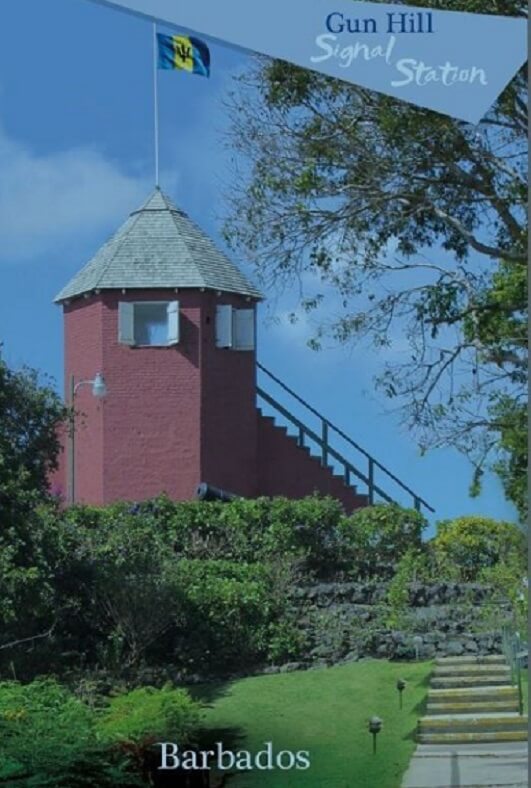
[{"x": 169, "y": 322}]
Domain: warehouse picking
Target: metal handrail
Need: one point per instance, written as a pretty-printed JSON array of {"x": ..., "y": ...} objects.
[
  {"x": 511, "y": 647},
  {"x": 326, "y": 450}
]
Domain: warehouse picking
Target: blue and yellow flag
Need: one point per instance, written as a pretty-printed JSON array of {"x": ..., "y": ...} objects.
[{"x": 184, "y": 52}]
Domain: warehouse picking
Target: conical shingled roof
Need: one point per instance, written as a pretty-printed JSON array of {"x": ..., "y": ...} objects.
[{"x": 159, "y": 247}]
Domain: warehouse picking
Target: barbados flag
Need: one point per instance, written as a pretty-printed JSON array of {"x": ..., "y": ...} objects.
[{"x": 184, "y": 52}]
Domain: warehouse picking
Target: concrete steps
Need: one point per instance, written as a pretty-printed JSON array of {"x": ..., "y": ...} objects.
[
  {"x": 472, "y": 728},
  {"x": 468, "y": 669},
  {"x": 470, "y": 681},
  {"x": 476, "y": 699},
  {"x": 471, "y": 701},
  {"x": 492, "y": 707},
  {"x": 477, "y": 737},
  {"x": 491, "y": 659}
]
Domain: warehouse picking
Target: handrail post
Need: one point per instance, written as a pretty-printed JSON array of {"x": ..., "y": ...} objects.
[
  {"x": 371, "y": 481},
  {"x": 300, "y": 440},
  {"x": 417, "y": 503},
  {"x": 324, "y": 447},
  {"x": 519, "y": 685}
]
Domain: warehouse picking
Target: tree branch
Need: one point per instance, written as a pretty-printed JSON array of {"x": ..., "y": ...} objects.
[{"x": 14, "y": 643}]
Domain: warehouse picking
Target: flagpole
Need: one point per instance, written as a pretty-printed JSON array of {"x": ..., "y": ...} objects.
[{"x": 156, "y": 104}]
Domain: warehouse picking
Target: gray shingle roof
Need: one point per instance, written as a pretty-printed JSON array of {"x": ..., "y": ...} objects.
[{"x": 158, "y": 247}]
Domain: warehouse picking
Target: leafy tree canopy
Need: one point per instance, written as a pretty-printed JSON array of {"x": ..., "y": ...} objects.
[
  {"x": 30, "y": 414},
  {"x": 414, "y": 222}
]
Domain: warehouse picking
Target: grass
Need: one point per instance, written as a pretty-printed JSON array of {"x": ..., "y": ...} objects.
[{"x": 326, "y": 712}]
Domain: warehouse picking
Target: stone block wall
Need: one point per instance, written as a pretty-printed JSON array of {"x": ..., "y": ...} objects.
[{"x": 345, "y": 621}]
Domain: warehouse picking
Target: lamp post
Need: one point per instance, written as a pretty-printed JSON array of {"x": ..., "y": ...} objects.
[
  {"x": 99, "y": 390},
  {"x": 375, "y": 726},
  {"x": 400, "y": 685}
]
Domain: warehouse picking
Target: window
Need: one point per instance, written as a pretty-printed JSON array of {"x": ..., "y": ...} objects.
[
  {"x": 154, "y": 323},
  {"x": 234, "y": 328}
]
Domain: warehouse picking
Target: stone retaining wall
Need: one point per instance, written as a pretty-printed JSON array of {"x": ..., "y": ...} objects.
[{"x": 344, "y": 622}]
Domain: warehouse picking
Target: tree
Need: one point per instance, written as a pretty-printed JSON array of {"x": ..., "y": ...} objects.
[
  {"x": 414, "y": 221},
  {"x": 30, "y": 414}
]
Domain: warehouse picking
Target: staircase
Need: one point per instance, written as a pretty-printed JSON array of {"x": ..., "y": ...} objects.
[
  {"x": 472, "y": 700},
  {"x": 336, "y": 462},
  {"x": 289, "y": 469}
]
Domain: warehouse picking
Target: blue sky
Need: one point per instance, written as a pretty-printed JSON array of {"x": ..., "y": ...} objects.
[{"x": 76, "y": 156}]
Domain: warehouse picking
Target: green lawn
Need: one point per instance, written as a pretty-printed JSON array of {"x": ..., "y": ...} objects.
[{"x": 324, "y": 711}]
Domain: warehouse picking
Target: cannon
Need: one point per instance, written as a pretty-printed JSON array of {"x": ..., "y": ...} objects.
[{"x": 207, "y": 492}]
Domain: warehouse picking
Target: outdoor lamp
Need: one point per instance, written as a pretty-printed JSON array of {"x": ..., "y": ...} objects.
[
  {"x": 375, "y": 726},
  {"x": 417, "y": 642},
  {"x": 400, "y": 685},
  {"x": 99, "y": 391},
  {"x": 99, "y": 387}
]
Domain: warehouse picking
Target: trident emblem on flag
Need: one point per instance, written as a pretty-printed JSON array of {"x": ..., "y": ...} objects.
[{"x": 183, "y": 51}]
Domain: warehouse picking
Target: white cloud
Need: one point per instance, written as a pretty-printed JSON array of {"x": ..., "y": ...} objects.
[{"x": 52, "y": 199}]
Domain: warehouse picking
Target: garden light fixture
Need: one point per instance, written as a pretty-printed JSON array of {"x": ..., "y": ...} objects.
[
  {"x": 400, "y": 685},
  {"x": 375, "y": 726}
]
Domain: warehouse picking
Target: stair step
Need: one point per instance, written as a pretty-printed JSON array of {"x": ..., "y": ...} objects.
[
  {"x": 491, "y": 707},
  {"x": 471, "y": 667},
  {"x": 455, "y": 682},
  {"x": 469, "y": 693},
  {"x": 471, "y": 670},
  {"x": 473, "y": 723},
  {"x": 471, "y": 697},
  {"x": 479, "y": 737},
  {"x": 483, "y": 660}
]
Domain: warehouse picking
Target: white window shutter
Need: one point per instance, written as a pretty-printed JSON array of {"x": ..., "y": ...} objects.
[
  {"x": 244, "y": 329},
  {"x": 126, "y": 323},
  {"x": 224, "y": 336},
  {"x": 173, "y": 322}
]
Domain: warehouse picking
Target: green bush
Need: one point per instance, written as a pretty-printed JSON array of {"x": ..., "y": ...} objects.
[
  {"x": 133, "y": 724},
  {"x": 378, "y": 536},
  {"x": 508, "y": 583},
  {"x": 229, "y": 609},
  {"x": 261, "y": 529},
  {"x": 49, "y": 737},
  {"x": 129, "y": 598},
  {"x": 467, "y": 546},
  {"x": 141, "y": 601},
  {"x": 413, "y": 567}
]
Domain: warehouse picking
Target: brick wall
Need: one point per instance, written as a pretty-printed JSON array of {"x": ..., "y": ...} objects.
[
  {"x": 152, "y": 411},
  {"x": 228, "y": 402},
  {"x": 173, "y": 417}
]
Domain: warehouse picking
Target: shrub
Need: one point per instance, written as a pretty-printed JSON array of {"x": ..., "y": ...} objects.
[
  {"x": 127, "y": 583},
  {"x": 134, "y": 722},
  {"x": 378, "y": 536},
  {"x": 507, "y": 582},
  {"x": 228, "y": 610},
  {"x": 466, "y": 546},
  {"x": 414, "y": 566},
  {"x": 47, "y": 738},
  {"x": 252, "y": 530}
]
